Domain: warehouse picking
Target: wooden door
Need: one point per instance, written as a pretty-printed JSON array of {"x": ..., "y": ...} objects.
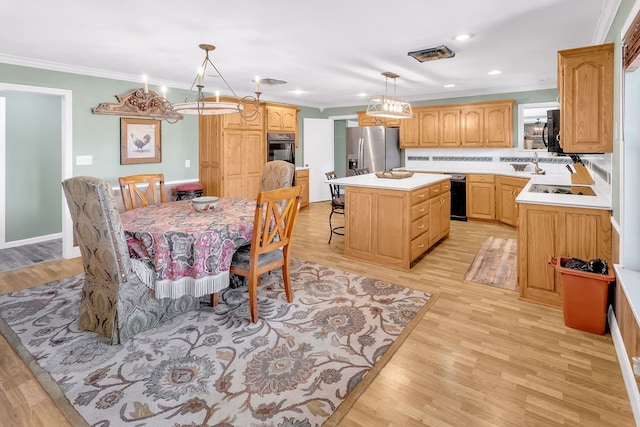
[
  {"x": 481, "y": 202},
  {"x": 498, "y": 126},
  {"x": 233, "y": 175},
  {"x": 428, "y": 128},
  {"x": 449, "y": 126},
  {"x": 472, "y": 119},
  {"x": 539, "y": 228},
  {"x": 586, "y": 99},
  {"x": 410, "y": 132},
  {"x": 445, "y": 214},
  {"x": 506, "y": 204},
  {"x": 253, "y": 160},
  {"x": 289, "y": 119}
]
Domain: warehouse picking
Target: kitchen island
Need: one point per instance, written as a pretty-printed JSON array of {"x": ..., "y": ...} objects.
[{"x": 392, "y": 222}]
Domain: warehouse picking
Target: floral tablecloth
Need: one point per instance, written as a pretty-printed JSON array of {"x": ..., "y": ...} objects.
[{"x": 184, "y": 251}]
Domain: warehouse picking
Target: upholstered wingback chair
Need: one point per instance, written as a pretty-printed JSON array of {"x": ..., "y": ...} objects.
[
  {"x": 114, "y": 303},
  {"x": 277, "y": 174}
]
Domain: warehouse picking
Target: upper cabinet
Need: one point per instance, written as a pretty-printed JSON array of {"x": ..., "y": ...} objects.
[
  {"x": 488, "y": 125},
  {"x": 585, "y": 86},
  {"x": 481, "y": 124},
  {"x": 366, "y": 120},
  {"x": 282, "y": 118}
]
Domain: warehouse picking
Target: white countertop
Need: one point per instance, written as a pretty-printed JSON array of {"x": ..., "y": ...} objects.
[
  {"x": 405, "y": 184},
  {"x": 602, "y": 199},
  {"x": 555, "y": 174}
]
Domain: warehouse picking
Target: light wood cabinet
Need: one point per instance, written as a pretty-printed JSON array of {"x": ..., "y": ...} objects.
[
  {"x": 545, "y": 231},
  {"x": 281, "y": 118},
  {"x": 231, "y": 156},
  {"x": 481, "y": 197},
  {"x": 507, "y": 189},
  {"x": 394, "y": 227},
  {"x": 585, "y": 86},
  {"x": 480, "y": 124},
  {"x": 439, "y": 213},
  {"x": 302, "y": 179},
  {"x": 366, "y": 120},
  {"x": 488, "y": 125}
]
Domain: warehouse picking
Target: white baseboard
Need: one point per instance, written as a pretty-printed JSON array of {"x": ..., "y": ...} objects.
[
  {"x": 625, "y": 366},
  {"x": 38, "y": 239}
]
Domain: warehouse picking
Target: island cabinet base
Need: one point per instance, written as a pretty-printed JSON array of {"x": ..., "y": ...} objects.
[{"x": 394, "y": 227}]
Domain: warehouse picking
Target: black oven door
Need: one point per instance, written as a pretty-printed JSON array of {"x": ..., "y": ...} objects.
[{"x": 282, "y": 151}]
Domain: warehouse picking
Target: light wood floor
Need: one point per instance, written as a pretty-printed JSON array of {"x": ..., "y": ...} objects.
[{"x": 479, "y": 357}]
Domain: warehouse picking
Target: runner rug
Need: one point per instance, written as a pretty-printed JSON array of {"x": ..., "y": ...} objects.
[
  {"x": 495, "y": 264},
  {"x": 301, "y": 364}
]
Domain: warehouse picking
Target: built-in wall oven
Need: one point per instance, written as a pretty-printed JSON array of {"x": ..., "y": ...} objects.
[{"x": 281, "y": 146}]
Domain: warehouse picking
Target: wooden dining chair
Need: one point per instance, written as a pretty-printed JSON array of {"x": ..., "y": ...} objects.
[
  {"x": 361, "y": 171},
  {"x": 133, "y": 197},
  {"x": 273, "y": 223}
]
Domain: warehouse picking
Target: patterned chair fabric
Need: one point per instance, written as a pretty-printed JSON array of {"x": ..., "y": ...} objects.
[
  {"x": 277, "y": 174},
  {"x": 114, "y": 303}
]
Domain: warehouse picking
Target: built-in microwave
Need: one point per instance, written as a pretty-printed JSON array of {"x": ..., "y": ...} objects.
[
  {"x": 553, "y": 132},
  {"x": 281, "y": 146}
]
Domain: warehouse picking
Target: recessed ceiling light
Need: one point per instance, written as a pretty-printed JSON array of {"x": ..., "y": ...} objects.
[
  {"x": 449, "y": 85},
  {"x": 494, "y": 72},
  {"x": 362, "y": 95},
  {"x": 298, "y": 92},
  {"x": 462, "y": 37}
]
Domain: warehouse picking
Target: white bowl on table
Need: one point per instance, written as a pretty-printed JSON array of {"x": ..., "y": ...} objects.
[{"x": 204, "y": 203}]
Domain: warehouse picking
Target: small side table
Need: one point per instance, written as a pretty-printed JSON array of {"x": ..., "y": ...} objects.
[{"x": 188, "y": 191}]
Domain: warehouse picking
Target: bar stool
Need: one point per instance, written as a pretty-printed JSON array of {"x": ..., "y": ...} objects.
[
  {"x": 188, "y": 191},
  {"x": 337, "y": 205}
]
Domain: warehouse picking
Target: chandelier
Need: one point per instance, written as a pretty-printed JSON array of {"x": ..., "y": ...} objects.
[
  {"x": 387, "y": 106},
  {"x": 201, "y": 106}
]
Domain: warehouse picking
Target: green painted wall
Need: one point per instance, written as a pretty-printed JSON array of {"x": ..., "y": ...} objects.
[{"x": 34, "y": 165}]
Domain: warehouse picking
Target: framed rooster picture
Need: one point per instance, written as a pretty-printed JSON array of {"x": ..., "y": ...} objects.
[{"x": 140, "y": 141}]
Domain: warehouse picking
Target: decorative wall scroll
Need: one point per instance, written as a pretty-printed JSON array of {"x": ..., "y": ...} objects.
[
  {"x": 140, "y": 141},
  {"x": 139, "y": 103}
]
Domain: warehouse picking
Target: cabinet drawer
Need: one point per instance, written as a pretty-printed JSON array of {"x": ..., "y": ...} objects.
[
  {"x": 419, "y": 196},
  {"x": 445, "y": 186},
  {"x": 419, "y": 210},
  {"x": 480, "y": 178},
  {"x": 419, "y": 245},
  {"x": 419, "y": 226}
]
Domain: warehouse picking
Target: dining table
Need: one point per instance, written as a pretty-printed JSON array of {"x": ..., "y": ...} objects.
[{"x": 181, "y": 251}]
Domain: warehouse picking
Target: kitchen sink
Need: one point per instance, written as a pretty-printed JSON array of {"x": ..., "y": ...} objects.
[{"x": 578, "y": 190}]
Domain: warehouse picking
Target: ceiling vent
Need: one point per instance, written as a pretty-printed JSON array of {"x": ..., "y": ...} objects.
[
  {"x": 271, "y": 82},
  {"x": 432, "y": 53}
]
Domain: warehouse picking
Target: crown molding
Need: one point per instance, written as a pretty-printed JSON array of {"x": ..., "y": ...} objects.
[{"x": 607, "y": 15}]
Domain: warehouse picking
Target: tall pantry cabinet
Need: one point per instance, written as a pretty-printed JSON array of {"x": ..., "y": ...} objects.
[{"x": 232, "y": 153}]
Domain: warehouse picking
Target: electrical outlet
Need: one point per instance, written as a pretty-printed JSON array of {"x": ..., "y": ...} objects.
[
  {"x": 84, "y": 160},
  {"x": 187, "y": 163}
]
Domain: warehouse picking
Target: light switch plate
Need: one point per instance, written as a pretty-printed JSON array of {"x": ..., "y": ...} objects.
[{"x": 84, "y": 160}]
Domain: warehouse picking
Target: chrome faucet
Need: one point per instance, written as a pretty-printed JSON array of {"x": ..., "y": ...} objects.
[{"x": 537, "y": 170}]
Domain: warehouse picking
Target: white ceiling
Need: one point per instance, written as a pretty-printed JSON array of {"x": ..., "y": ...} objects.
[{"x": 330, "y": 51}]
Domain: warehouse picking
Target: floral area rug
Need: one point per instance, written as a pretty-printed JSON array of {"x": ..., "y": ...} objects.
[{"x": 302, "y": 364}]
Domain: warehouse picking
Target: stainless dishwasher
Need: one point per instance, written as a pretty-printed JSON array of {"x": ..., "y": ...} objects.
[{"x": 458, "y": 196}]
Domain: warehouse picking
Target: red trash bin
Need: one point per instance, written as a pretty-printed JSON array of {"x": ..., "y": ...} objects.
[{"x": 584, "y": 297}]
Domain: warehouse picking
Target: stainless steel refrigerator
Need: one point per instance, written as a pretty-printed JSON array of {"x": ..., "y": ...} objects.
[{"x": 373, "y": 147}]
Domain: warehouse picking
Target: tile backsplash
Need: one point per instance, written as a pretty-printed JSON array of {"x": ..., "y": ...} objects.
[{"x": 598, "y": 164}]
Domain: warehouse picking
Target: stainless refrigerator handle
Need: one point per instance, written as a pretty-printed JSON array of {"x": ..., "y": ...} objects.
[{"x": 361, "y": 152}]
